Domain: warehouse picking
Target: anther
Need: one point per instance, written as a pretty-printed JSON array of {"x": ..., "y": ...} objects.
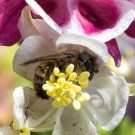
[{"x": 66, "y": 88}]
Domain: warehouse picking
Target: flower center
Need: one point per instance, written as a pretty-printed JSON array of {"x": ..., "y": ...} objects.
[{"x": 66, "y": 88}]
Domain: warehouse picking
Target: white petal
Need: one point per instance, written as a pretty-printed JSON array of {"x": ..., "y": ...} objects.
[
  {"x": 30, "y": 110},
  {"x": 82, "y": 43},
  {"x": 57, "y": 126},
  {"x": 18, "y": 107},
  {"x": 103, "y": 71},
  {"x": 33, "y": 4},
  {"x": 32, "y": 47},
  {"x": 77, "y": 122},
  {"x": 32, "y": 27},
  {"x": 52, "y": 122},
  {"x": 26, "y": 25},
  {"x": 109, "y": 97},
  {"x": 46, "y": 31},
  {"x": 6, "y": 130}
]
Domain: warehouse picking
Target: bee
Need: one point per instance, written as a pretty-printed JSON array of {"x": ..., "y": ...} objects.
[{"x": 81, "y": 61}]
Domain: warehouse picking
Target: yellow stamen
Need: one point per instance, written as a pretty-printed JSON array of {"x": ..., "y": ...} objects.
[
  {"x": 73, "y": 76},
  {"x": 85, "y": 74},
  {"x": 52, "y": 78},
  {"x": 24, "y": 131},
  {"x": 76, "y": 105},
  {"x": 83, "y": 81},
  {"x": 62, "y": 75},
  {"x": 66, "y": 88},
  {"x": 72, "y": 94},
  {"x": 56, "y": 71},
  {"x": 86, "y": 96},
  {"x": 70, "y": 69},
  {"x": 47, "y": 87},
  {"x": 84, "y": 86},
  {"x": 61, "y": 81},
  {"x": 81, "y": 99}
]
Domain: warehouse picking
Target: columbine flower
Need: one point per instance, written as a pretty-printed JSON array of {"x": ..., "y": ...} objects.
[
  {"x": 105, "y": 98},
  {"x": 102, "y": 100},
  {"x": 91, "y": 18}
]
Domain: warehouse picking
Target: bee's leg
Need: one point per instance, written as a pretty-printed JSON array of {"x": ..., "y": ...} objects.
[
  {"x": 41, "y": 75},
  {"x": 91, "y": 75},
  {"x": 38, "y": 87},
  {"x": 95, "y": 70},
  {"x": 60, "y": 64}
]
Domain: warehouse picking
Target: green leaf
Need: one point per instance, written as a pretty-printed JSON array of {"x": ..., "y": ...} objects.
[{"x": 41, "y": 133}]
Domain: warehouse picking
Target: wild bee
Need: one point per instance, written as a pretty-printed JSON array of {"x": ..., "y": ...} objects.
[{"x": 81, "y": 61}]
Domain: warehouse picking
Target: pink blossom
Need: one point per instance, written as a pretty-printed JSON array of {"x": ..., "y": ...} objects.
[
  {"x": 102, "y": 20},
  {"x": 10, "y": 11},
  {"x": 91, "y": 18}
]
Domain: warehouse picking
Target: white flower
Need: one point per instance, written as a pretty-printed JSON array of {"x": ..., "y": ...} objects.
[
  {"x": 105, "y": 98},
  {"x": 107, "y": 94}
]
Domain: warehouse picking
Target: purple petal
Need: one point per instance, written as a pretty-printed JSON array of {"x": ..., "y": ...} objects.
[
  {"x": 100, "y": 19},
  {"x": 131, "y": 30},
  {"x": 56, "y": 9},
  {"x": 132, "y": 1},
  {"x": 103, "y": 20},
  {"x": 10, "y": 11},
  {"x": 114, "y": 51},
  {"x": 97, "y": 15}
]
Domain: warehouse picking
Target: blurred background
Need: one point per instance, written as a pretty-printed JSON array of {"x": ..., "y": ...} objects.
[{"x": 10, "y": 80}]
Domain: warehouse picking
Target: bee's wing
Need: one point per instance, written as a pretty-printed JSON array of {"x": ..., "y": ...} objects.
[{"x": 50, "y": 57}]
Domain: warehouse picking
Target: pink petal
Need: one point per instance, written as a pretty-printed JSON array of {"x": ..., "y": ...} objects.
[
  {"x": 57, "y": 10},
  {"x": 96, "y": 16},
  {"x": 131, "y": 30},
  {"x": 10, "y": 11},
  {"x": 102, "y": 20},
  {"x": 132, "y": 1},
  {"x": 114, "y": 51},
  {"x": 40, "y": 12}
]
